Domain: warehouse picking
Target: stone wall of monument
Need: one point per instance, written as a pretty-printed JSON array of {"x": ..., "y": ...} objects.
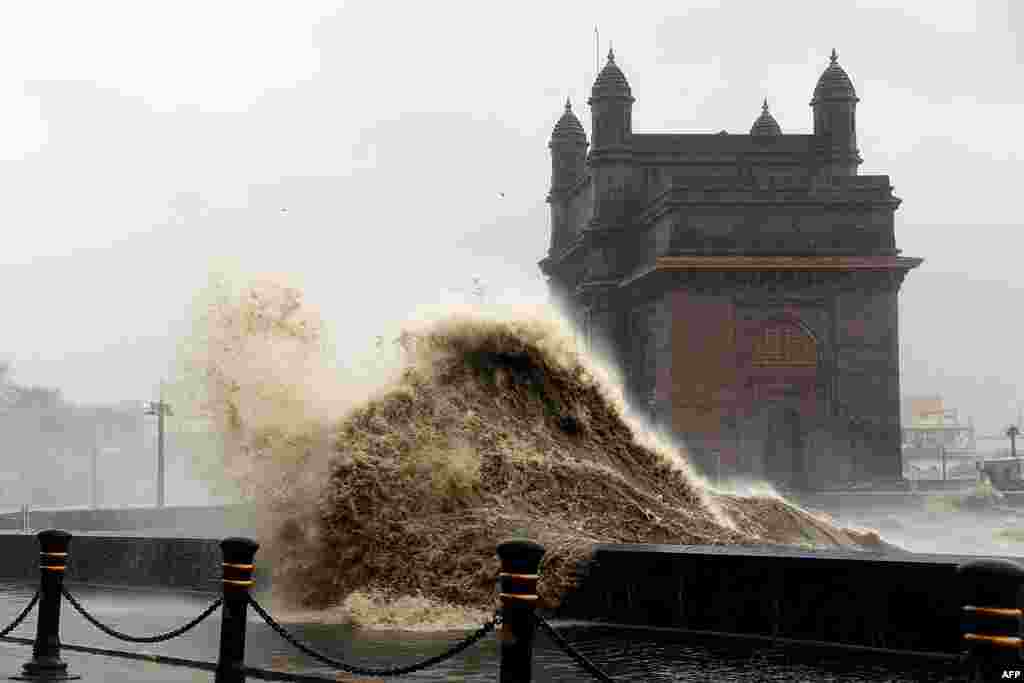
[
  {"x": 703, "y": 374},
  {"x": 779, "y": 229},
  {"x": 700, "y": 361},
  {"x": 867, "y": 375},
  {"x": 644, "y": 336}
]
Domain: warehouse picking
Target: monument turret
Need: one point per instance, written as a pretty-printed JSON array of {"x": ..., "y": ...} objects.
[{"x": 835, "y": 120}]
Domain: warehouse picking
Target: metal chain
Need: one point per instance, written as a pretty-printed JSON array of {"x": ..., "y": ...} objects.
[
  {"x": 145, "y": 639},
  {"x": 589, "y": 666},
  {"x": 359, "y": 671},
  {"x": 21, "y": 617}
]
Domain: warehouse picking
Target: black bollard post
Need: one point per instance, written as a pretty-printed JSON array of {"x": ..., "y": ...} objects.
[
  {"x": 238, "y": 569},
  {"x": 46, "y": 664},
  {"x": 520, "y": 562},
  {"x": 991, "y": 618}
]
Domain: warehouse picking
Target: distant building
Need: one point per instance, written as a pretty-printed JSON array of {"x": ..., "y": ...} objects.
[
  {"x": 936, "y": 442},
  {"x": 745, "y": 284},
  {"x": 923, "y": 410}
]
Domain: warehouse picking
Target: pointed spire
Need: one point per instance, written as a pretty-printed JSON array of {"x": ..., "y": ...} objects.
[
  {"x": 610, "y": 82},
  {"x": 833, "y": 83},
  {"x": 568, "y": 125},
  {"x": 765, "y": 125}
]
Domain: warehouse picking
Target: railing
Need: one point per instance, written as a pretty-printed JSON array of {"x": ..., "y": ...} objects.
[
  {"x": 992, "y": 622},
  {"x": 520, "y": 562}
]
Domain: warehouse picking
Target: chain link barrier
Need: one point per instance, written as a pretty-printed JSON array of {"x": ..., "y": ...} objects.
[
  {"x": 21, "y": 617},
  {"x": 145, "y": 639},
  {"x": 580, "y": 659},
  {"x": 360, "y": 671}
]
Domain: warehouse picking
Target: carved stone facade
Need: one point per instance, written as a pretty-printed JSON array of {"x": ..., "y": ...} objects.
[{"x": 745, "y": 284}]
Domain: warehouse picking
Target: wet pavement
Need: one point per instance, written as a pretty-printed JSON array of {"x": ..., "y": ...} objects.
[
  {"x": 93, "y": 667},
  {"x": 627, "y": 654}
]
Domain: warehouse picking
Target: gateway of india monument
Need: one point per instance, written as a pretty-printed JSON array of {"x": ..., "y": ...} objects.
[{"x": 745, "y": 285}]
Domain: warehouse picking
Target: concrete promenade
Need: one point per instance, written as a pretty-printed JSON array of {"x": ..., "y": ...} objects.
[
  {"x": 92, "y": 664},
  {"x": 96, "y": 667}
]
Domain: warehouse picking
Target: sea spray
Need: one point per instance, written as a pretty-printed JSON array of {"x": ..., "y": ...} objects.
[{"x": 489, "y": 424}]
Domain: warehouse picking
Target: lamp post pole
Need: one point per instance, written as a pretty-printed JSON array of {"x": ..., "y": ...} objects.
[
  {"x": 1012, "y": 432},
  {"x": 161, "y": 409},
  {"x": 94, "y": 456}
]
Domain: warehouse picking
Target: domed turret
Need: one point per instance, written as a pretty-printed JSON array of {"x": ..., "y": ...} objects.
[
  {"x": 765, "y": 125},
  {"x": 568, "y": 165},
  {"x": 611, "y": 82},
  {"x": 568, "y": 127},
  {"x": 568, "y": 150},
  {"x": 834, "y": 84},
  {"x": 835, "y": 120},
  {"x": 611, "y": 107}
]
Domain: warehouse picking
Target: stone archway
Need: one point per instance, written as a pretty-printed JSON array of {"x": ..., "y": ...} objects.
[
  {"x": 783, "y": 432},
  {"x": 781, "y": 376}
]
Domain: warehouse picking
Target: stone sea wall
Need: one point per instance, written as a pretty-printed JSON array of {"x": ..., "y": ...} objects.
[
  {"x": 174, "y": 547},
  {"x": 899, "y": 601},
  {"x": 128, "y": 561}
]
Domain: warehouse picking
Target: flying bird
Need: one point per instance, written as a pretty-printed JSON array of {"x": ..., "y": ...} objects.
[{"x": 501, "y": 194}]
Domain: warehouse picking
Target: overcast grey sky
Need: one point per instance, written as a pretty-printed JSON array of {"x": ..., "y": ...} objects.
[{"x": 144, "y": 143}]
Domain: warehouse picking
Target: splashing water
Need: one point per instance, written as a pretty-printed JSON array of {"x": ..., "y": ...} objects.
[{"x": 388, "y": 484}]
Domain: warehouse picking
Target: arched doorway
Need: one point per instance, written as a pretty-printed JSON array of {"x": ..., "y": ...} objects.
[
  {"x": 782, "y": 379},
  {"x": 783, "y": 430}
]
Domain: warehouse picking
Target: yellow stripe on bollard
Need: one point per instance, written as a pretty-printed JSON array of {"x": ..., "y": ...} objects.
[
  {"x": 237, "y": 561},
  {"x": 59, "y": 568},
  {"x": 998, "y": 641},
  {"x": 517, "y": 590}
]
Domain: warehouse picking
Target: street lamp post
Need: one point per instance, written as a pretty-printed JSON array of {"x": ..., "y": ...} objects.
[
  {"x": 160, "y": 409},
  {"x": 1012, "y": 432},
  {"x": 93, "y": 495}
]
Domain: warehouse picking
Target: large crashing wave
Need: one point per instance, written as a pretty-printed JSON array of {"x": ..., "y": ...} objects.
[{"x": 491, "y": 428}]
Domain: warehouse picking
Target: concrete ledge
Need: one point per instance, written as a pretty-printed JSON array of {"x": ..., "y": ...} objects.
[
  {"x": 177, "y": 563},
  {"x": 898, "y": 601}
]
